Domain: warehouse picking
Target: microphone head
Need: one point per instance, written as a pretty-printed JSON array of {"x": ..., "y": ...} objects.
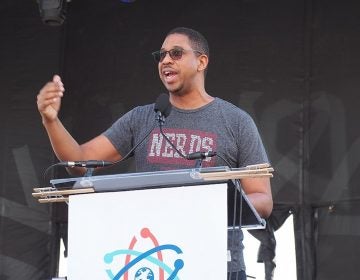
[{"x": 163, "y": 105}]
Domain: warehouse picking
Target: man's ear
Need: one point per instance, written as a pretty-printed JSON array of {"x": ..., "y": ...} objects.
[{"x": 203, "y": 62}]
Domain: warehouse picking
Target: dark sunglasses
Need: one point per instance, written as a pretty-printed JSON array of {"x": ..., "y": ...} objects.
[{"x": 175, "y": 54}]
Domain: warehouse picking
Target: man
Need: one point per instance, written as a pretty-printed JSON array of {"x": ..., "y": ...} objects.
[{"x": 198, "y": 122}]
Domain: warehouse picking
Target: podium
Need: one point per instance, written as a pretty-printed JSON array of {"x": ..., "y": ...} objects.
[{"x": 153, "y": 225}]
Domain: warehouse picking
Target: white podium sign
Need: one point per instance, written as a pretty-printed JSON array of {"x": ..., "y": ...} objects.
[{"x": 166, "y": 233}]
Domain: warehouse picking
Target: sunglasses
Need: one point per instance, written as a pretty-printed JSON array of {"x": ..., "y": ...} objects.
[{"x": 175, "y": 54}]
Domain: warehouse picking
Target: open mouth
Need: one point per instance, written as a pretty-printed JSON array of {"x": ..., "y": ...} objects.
[{"x": 169, "y": 75}]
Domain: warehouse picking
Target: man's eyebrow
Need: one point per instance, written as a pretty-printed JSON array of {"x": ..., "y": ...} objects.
[{"x": 174, "y": 47}]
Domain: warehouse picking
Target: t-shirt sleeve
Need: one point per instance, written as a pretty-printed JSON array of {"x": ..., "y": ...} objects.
[
  {"x": 251, "y": 148},
  {"x": 120, "y": 133}
]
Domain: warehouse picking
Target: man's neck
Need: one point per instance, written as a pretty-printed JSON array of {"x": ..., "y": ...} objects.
[{"x": 190, "y": 100}]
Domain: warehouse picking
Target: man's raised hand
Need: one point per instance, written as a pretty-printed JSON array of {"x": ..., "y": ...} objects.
[{"x": 49, "y": 99}]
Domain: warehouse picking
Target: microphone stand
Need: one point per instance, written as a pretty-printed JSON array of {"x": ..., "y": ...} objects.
[
  {"x": 89, "y": 172},
  {"x": 198, "y": 163}
]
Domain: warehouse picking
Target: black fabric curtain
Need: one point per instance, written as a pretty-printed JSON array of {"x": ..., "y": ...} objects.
[{"x": 293, "y": 65}]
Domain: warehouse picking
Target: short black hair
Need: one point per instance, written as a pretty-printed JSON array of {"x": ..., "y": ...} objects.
[{"x": 197, "y": 41}]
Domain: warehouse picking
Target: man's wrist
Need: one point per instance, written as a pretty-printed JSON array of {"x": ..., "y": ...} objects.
[{"x": 49, "y": 121}]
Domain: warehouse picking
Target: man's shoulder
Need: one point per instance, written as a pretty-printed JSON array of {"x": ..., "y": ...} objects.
[
  {"x": 146, "y": 107},
  {"x": 231, "y": 109}
]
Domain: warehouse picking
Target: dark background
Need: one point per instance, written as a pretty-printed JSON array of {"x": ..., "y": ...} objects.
[{"x": 294, "y": 65}]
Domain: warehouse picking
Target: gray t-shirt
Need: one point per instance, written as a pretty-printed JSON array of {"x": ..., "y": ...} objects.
[{"x": 218, "y": 126}]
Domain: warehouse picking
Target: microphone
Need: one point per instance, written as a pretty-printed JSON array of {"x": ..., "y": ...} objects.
[
  {"x": 162, "y": 108},
  {"x": 86, "y": 163},
  {"x": 200, "y": 155}
]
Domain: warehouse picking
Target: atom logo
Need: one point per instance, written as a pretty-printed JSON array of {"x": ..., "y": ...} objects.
[{"x": 145, "y": 273}]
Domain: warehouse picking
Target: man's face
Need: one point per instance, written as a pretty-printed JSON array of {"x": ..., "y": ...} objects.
[{"x": 178, "y": 75}]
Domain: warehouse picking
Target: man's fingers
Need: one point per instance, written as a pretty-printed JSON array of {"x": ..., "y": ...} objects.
[
  {"x": 57, "y": 79},
  {"x": 49, "y": 98},
  {"x": 49, "y": 95},
  {"x": 50, "y": 101},
  {"x": 45, "y": 103},
  {"x": 52, "y": 87}
]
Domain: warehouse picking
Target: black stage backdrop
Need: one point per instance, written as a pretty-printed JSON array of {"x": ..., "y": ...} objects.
[{"x": 292, "y": 64}]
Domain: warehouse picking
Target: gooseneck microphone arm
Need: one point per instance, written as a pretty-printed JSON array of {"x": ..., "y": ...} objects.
[
  {"x": 102, "y": 163},
  {"x": 91, "y": 164},
  {"x": 162, "y": 110},
  {"x": 168, "y": 140},
  {"x": 86, "y": 163},
  {"x": 130, "y": 153}
]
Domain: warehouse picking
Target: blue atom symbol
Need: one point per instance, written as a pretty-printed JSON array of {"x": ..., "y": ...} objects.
[{"x": 144, "y": 273}]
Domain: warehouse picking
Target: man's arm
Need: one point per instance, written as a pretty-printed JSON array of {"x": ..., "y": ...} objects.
[
  {"x": 258, "y": 190},
  {"x": 64, "y": 145}
]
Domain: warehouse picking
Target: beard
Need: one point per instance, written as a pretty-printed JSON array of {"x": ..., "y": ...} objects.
[{"x": 180, "y": 90}]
